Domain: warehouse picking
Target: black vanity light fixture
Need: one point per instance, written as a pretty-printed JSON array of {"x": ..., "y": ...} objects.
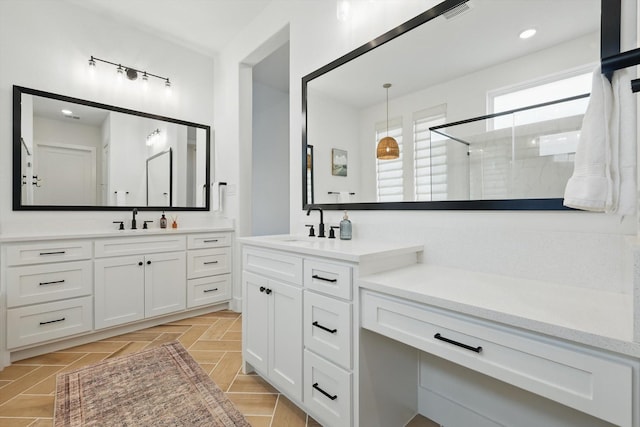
[
  {"x": 387, "y": 147},
  {"x": 130, "y": 72},
  {"x": 152, "y": 136}
]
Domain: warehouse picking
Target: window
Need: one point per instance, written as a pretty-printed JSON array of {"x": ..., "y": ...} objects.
[
  {"x": 565, "y": 86},
  {"x": 389, "y": 174},
  {"x": 430, "y": 156}
]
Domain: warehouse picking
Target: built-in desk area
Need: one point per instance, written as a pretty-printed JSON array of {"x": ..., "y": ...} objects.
[{"x": 570, "y": 345}]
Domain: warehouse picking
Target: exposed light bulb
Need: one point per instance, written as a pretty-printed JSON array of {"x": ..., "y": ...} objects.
[
  {"x": 66, "y": 112},
  {"x": 528, "y": 33},
  {"x": 120, "y": 72},
  {"x": 343, "y": 10}
]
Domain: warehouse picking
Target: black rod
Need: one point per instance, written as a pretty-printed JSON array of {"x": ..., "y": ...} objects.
[
  {"x": 621, "y": 60},
  {"x": 516, "y": 110}
]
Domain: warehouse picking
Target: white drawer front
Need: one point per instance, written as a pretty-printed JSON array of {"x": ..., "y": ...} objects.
[
  {"x": 38, "y": 253},
  {"x": 331, "y": 279},
  {"x": 139, "y": 245},
  {"x": 209, "y": 240},
  {"x": 327, "y": 328},
  {"x": 273, "y": 264},
  {"x": 208, "y": 290},
  {"x": 327, "y": 391},
  {"x": 207, "y": 262},
  {"x": 594, "y": 384},
  {"x": 48, "y": 282},
  {"x": 44, "y": 322}
]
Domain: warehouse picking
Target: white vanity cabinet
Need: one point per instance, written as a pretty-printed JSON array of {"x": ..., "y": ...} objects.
[
  {"x": 62, "y": 291},
  {"x": 208, "y": 268},
  {"x": 328, "y": 355},
  {"x": 272, "y": 317},
  {"x": 300, "y": 328},
  {"x": 143, "y": 284},
  {"x": 49, "y": 291}
]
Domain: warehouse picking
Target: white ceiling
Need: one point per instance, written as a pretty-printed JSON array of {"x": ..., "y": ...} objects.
[{"x": 204, "y": 25}]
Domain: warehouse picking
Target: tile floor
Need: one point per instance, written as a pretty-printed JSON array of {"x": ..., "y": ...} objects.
[{"x": 27, "y": 387}]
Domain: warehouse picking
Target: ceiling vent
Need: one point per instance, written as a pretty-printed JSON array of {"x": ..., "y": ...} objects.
[{"x": 457, "y": 11}]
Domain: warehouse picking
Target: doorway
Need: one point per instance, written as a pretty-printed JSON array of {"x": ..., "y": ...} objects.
[{"x": 270, "y": 201}]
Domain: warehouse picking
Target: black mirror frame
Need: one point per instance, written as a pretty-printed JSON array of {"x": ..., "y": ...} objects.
[
  {"x": 17, "y": 181},
  {"x": 609, "y": 46}
]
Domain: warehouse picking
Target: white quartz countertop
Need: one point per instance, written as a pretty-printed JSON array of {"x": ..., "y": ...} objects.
[
  {"x": 9, "y": 238},
  {"x": 596, "y": 318},
  {"x": 356, "y": 250}
]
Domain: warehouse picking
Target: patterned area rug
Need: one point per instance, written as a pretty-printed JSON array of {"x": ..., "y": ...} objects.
[{"x": 162, "y": 386}]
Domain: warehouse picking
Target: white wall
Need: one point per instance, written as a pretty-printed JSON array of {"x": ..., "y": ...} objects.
[
  {"x": 270, "y": 152},
  {"x": 575, "y": 248},
  {"x": 45, "y": 44}
]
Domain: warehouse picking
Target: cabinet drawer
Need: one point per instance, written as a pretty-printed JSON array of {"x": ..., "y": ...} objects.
[
  {"x": 44, "y": 322},
  {"x": 587, "y": 381},
  {"x": 327, "y": 327},
  {"x": 139, "y": 245},
  {"x": 330, "y": 279},
  {"x": 327, "y": 391},
  {"x": 207, "y": 262},
  {"x": 39, "y": 253},
  {"x": 209, "y": 240},
  {"x": 208, "y": 290},
  {"x": 48, "y": 282},
  {"x": 273, "y": 264}
]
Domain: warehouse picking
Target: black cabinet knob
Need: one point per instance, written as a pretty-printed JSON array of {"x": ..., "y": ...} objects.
[
  {"x": 268, "y": 291},
  {"x": 148, "y": 262},
  {"x": 262, "y": 288},
  {"x": 140, "y": 263}
]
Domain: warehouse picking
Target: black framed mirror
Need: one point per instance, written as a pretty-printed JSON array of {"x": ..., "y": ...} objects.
[
  {"x": 75, "y": 154},
  {"x": 461, "y": 62}
]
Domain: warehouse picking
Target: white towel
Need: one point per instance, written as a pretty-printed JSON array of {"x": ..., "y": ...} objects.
[
  {"x": 344, "y": 197},
  {"x": 622, "y": 200},
  {"x": 121, "y": 198},
  {"x": 603, "y": 178}
]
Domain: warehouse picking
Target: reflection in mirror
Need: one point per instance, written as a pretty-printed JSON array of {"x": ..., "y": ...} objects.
[
  {"x": 76, "y": 154},
  {"x": 309, "y": 173},
  {"x": 159, "y": 177},
  {"x": 459, "y": 66}
]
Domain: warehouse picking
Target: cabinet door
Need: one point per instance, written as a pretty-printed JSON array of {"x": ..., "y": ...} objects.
[
  {"x": 165, "y": 283},
  {"x": 255, "y": 321},
  {"x": 285, "y": 352},
  {"x": 119, "y": 290}
]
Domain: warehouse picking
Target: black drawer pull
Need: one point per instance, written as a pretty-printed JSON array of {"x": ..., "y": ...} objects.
[
  {"x": 324, "y": 328},
  {"x": 210, "y": 262},
  {"x": 315, "y": 276},
  {"x": 51, "y": 283},
  {"x": 211, "y": 241},
  {"x": 210, "y": 290},
  {"x": 459, "y": 344},
  {"x": 52, "y": 321},
  {"x": 52, "y": 253},
  {"x": 334, "y": 397}
]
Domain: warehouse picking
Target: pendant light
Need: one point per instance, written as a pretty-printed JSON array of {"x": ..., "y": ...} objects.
[{"x": 387, "y": 147}]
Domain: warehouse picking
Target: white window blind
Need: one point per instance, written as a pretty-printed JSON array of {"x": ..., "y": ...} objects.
[
  {"x": 389, "y": 175},
  {"x": 430, "y": 156}
]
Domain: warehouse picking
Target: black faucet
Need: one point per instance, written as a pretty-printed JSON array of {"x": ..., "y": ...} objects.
[
  {"x": 321, "y": 226},
  {"x": 133, "y": 221}
]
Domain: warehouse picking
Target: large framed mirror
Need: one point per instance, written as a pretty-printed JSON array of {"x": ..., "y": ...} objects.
[
  {"x": 484, "y": 116},
  {"x": 75, "y": 154}
]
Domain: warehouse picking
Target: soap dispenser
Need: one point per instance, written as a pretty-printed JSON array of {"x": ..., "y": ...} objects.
[
  {"x": 345, "y": 227},
  {"x": 163, "y": 221}
]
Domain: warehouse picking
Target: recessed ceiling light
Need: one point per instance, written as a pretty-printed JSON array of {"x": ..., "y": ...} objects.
[
  {"x": 528, "y": 33},
  {"x": 67, "y": 112}
]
